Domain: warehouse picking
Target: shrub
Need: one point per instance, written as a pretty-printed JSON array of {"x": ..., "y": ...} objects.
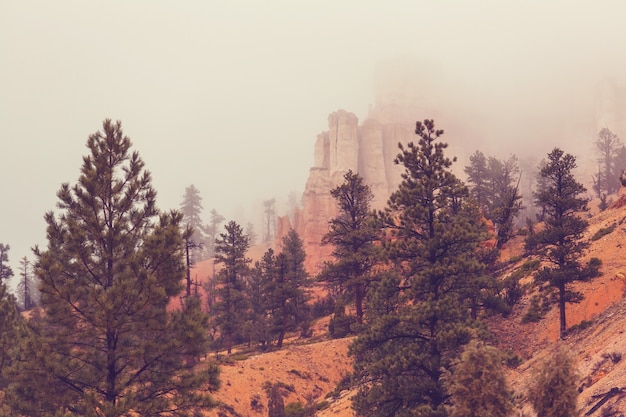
[
  {"x": 585, "y": 324},
  {"x": 539, "y": 307},
  {"x": 554, "y": 390},
  {"x": 295, "y": 409},
  {"x": 339, "y": 325},
  {"x": 603, "y": 232},
  {"x": 478, "y": 386}
]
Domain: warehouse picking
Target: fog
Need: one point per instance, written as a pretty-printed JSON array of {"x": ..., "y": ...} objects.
[{"x": 230, "y": 95}]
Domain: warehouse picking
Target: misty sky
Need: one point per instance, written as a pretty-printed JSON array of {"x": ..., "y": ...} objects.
[{"x": 230, "y": 95}]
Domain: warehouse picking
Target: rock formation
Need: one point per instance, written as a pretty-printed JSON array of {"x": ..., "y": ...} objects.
[{"x": 368, "y": 149}]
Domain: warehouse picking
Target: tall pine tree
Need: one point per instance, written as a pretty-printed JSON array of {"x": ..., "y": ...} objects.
[
  {"x": 352, "y": 234},
  {"x": 191, "y": 208},
  {"x": 232, "y": 304},
  {"x": 432, "y": 239},
  {"x": 297, "y": 279},
  {"x": 559, "y": 243},
  {"x": 107, "y": 344}
]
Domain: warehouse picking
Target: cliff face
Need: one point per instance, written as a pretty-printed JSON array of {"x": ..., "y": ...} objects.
[{"x": 367, "y": 149}]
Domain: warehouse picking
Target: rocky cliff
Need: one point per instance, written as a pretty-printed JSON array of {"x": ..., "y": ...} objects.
[{"x": 368, "y": 149}]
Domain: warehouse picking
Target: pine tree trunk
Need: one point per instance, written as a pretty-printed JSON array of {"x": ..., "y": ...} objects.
[
  {"x": 358, "y": 303},
  {"x": 562, "y": 310}
]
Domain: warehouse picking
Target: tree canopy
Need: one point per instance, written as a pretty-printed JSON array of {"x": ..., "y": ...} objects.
[
  {"x": 107, "y": 344},
  {"x": 352, "y": 234},
  {"x": 560, "y": 242},
  {"x": 433, "y": 232}
]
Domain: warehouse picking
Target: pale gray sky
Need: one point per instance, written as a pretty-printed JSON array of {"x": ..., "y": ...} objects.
[{"x": 230, "y": 95}]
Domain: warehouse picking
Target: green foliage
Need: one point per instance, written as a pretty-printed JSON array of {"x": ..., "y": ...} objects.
[
  {"x": 495, "y": 186},
  {"x": 295, "y": 409},
  {"x": 510, "y": 287},
  {"x": 559, "y": 244},
  {"x": 27, "y": 287},
  {"x": 191, "y": 209},
  {"x": 5, "y": 270},
  {"x": 232, "y": 303},
  {"x": 539, "y": 307},
  {"x": 212, "y": 231},
  {"x": 340, "y": 323},
  {"x": 433, "y": 237},
  {"x": 611, "y": 161},
  {"x": 13, "y": 333},
  {"x": 603, "y": 232},
  {"x": 344, "y": 383},
  {"x": 554, "y": 386},
  {"x": 478, "y": 385},
  {"x": 585, "y": 324},
  {"x": 107, "y": 343},
  {"x": 279, "y": 292},
  {"x": 352, "y": 234}
]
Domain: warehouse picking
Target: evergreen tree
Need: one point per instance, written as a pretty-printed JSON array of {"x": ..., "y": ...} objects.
[
  {"x": 478, "y": 385},
  {"x": 212, "y": 230},
  {"x": 28, "y": 295},
  {"x": 12, "y": 329},
  {"x": 401, "y": 358},
  {"x": 297, "y": 280},
  {"x": 232, "y": 304},
  {"x": 495, "y": 186},
  {"x": 191, "y": 208},
  {"x": 352, "y": 234},
  {"x": 506, "y": 200},
  {"x": 279, "y": 291},
  {"x": 608, "y": 147},
  {"x": 554, "y": 388},
  {"x": 261, "y": 287},
  {"x": 5, "y": 270},
  {"x": 559, "y": 243},
  {"x": 250, "y": 232},
  {"x": 269, "y": 219},
  {"x": 107, "y": 344},
  {"x": 478, "y": 178}
]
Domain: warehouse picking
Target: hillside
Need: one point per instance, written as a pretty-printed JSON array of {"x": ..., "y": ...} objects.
[
  {"x": 315, "y": 368},
  {"x": 312, "y": 370}
]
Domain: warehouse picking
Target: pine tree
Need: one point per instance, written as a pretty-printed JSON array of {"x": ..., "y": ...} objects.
[
  {"x": 559, "y": 243},
  {"x": 608, "y": 147},
  {"x": 495, "y": 186},
  {"x": 260, "y": 288},
  {"x": 5, "y": 270},
  {"x": 269, "y": 219},
  {"x": 28, "y": 295},
  {"x": 352, "y": 234},
  {"x": 433, "y": 239},
  {"x": 478, "y": 177},
  {"x": 212, "y": 231},
  {"x": 232, "y": 304},
  {"x": 298, "y": 282},
  {"x": 191, "y": 208},
  {"x": 506, "y": 200},
  {"x": 278, "y": 289},
  {"x": 11, "y": 328},
  {"x": 107, "y": 344},
  {"x": 554, "y": 388},
  {"x": 478, "y": 385}
]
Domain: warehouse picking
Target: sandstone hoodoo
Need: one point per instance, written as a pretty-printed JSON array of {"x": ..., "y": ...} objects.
[{"x": 369, "y": 149}]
